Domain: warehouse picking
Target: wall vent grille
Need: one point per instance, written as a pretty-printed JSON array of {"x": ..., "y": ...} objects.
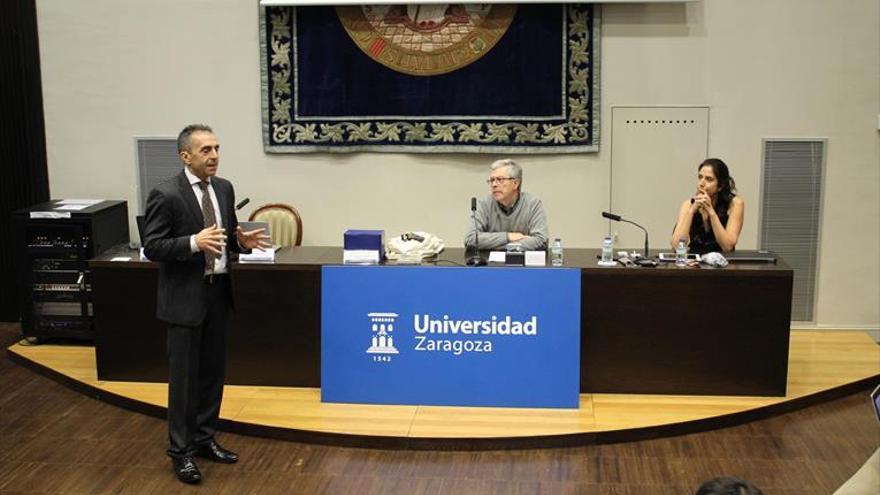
[
  {"x": 157, "y": 161},
  {"x": 791, "y": 203}
]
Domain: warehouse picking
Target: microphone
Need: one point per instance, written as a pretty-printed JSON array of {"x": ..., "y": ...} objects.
[
  {"x": 618, "y": 218},
  {"x": 611, "y": 216},
  {"x": 476, "y": 259},
  {"x": 243, "y": 202}
]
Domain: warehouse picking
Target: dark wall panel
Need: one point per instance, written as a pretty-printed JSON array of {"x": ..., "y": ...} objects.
[{"x": 24, "y": 177}]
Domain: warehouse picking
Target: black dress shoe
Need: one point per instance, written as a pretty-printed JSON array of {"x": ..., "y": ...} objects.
[
  {"x": 216, "y": 453},
  {"x": 186, "y": 470}
]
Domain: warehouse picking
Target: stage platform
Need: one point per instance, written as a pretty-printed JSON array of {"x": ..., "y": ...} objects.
[{"x": 822, "y": 365}]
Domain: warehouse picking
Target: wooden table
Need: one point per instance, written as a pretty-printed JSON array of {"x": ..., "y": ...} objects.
[{"x": 664, "y": 330}]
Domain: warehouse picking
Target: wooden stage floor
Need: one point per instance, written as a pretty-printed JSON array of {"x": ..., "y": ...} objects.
[{"x": 822, "y": 365}]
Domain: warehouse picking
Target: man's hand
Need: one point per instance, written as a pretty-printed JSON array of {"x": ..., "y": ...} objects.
[
  {"x": 253, "y": 238},
  {"x": 515, "y": 236},
  {"x": 211, "y": 239}
]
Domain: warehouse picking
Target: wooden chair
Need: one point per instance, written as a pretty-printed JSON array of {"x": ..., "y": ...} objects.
[{"x": 285, "y": 224}]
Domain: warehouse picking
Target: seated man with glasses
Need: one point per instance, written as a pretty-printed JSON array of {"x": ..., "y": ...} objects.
[{"x": 508, "y": 215}]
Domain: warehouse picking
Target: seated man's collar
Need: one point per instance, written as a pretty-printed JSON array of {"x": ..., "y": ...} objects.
[{"x": 509, "y": 209}]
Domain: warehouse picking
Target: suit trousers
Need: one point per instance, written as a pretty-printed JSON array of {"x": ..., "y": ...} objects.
[{"x": 197, "y": 370}]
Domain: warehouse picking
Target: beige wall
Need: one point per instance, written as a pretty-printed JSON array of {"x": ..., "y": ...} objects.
[{"x": 113, "y": 70}]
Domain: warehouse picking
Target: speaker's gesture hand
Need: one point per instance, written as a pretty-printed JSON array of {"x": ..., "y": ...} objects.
[{"x": 253, "y": 238}]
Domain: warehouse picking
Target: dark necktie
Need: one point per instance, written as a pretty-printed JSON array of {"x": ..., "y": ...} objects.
[{"x": 210, "y": 219}]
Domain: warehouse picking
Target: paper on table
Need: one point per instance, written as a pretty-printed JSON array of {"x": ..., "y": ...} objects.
[
  {"x": 536, "y": 258},
  {"x": 72, "y": 207},
  {"x": 258, "y": 256},
  {"x": 360, "y": 256},
  {"x": 50, "y": 214},
  {"x": 121, "y": 258},
  {"x": 87, "y": 202},
  {"x": 497, "y": 256}
]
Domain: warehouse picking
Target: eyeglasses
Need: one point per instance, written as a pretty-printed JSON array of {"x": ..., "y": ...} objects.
[{"x": 498, "y": 180}]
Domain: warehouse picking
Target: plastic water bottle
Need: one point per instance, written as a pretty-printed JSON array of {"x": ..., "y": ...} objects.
[
  {"x": 608, "y": 251},
  {"x": 556, "y": 256},
  {"x": 681, "y": 253}
]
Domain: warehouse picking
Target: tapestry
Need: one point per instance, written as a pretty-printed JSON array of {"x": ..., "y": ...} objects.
[{"x": 439, "y": 78}]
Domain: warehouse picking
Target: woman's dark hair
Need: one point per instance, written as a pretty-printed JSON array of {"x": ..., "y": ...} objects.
[{"x": 726, "y": 184}]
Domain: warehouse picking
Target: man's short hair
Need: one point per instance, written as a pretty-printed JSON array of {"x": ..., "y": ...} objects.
[
  {"x": 728, "y": 485},
  {"x": 184, "y": 139},
  {"x": 513, "y": 168}
]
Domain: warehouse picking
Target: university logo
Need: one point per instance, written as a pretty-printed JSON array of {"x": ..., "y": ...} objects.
[
  {"x": 426, "y": 40},
  {"x": 382, "y": 326}
]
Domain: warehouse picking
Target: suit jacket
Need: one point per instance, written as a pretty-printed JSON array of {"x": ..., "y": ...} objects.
[{"x": 173, "y": 215}]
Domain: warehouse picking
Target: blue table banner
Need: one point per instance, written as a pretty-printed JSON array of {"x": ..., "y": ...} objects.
[{"x": 506, "y": 337}]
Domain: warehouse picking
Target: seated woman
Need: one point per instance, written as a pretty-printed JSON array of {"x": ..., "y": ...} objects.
[{"x": 711, "y": 220}]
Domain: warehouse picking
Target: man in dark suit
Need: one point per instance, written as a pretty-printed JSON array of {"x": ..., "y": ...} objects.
[{"x": 191, "y": 231}]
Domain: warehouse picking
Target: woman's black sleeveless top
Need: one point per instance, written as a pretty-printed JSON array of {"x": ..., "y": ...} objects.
[{"x": 703, "y": 241}]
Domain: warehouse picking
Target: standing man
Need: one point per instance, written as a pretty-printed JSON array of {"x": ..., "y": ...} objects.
[
  {"x": 191, "y": 231},
  {"x": 508, "y": 215}
]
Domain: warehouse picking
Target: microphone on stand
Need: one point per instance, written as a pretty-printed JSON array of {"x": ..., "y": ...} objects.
[
  {"x": 611, "y": 216},
  {"x": 241, "y": 203},
  {"x": 475, "y": 259},
  {"x": 618, "y": 218}
]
